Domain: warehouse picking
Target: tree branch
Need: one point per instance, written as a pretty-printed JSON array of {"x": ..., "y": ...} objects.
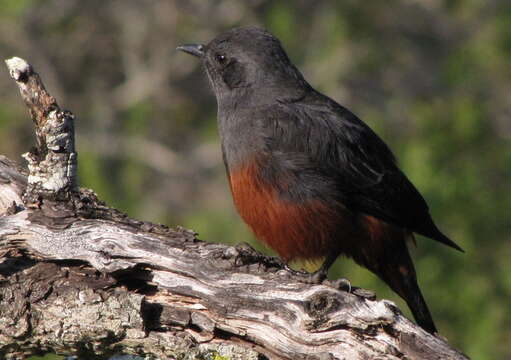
[
  {"x": 53, "y": 163},
  {"x": 82, "y": 278}
]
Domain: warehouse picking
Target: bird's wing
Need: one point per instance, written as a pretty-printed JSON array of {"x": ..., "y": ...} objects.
[{"x": 344, "y": 149}]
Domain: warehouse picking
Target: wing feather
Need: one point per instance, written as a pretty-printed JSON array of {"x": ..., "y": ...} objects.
[{"x": 350, "y": 155}]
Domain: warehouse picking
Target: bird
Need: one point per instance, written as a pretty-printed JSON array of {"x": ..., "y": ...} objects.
[{"x": 310, "y": 178}]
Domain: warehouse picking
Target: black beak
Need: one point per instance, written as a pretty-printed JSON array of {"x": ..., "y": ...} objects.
[{"x": 192, "y": 49}]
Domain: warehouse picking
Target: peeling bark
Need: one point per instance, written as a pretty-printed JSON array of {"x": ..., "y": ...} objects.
[
  {"x": 53, "y": 164},
  {"x": 78, "y": 277}
]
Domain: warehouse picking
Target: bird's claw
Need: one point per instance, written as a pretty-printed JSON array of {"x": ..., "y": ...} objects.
[{"x": 314, "y": 278}]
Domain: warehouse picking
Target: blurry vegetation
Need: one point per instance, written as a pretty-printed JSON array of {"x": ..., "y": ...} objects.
[{"x": 432, "y": 77}]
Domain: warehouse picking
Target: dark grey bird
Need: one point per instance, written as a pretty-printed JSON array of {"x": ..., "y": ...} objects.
[{"x": 308, "y": 176}]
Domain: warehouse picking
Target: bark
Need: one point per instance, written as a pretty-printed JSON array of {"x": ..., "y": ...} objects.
[{"x": 78, "y": 277}]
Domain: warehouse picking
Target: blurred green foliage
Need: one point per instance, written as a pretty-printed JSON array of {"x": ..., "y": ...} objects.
[{"x": 432, "y": 77}]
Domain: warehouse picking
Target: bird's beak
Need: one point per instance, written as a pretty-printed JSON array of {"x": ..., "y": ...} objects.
[{"x": 192, "y": 49}]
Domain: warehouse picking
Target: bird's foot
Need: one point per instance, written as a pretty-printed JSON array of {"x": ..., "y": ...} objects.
[
  {"x": 294, "y": 272},
  {"x": 320, "y": 277},
  {"x": 316, "y": 277}
]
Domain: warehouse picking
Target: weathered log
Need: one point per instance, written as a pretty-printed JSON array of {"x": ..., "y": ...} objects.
[{"x": 78, "y": 277}]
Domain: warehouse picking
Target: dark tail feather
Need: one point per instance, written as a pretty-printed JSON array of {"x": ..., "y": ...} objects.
[
  {"x": 390, "y": 260},
  {"x": 413, "y": 297},
  {"x": 402, "y": 279}
]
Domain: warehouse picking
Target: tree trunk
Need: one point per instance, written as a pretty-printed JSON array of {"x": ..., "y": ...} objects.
[{"x": 78, "y": 277}]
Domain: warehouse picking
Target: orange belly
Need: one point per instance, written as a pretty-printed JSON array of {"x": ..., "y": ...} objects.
[{"x": 295, "y": 230}]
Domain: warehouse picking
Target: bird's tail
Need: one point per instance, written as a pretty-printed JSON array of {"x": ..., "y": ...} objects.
[
  {"x": 386, "y": 254},
  {"x": 402, "y": 279}
]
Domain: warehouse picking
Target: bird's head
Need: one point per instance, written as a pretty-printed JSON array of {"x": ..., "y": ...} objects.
[{"x": 247, "y": 58}]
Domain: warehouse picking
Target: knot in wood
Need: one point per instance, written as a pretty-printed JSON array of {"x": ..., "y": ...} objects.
[
  {"x": 322, "y": 303},
  {"x": 241, "y": 254}
]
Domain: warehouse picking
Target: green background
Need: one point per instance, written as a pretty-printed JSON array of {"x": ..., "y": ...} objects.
[{"x": 431, "y": 77}]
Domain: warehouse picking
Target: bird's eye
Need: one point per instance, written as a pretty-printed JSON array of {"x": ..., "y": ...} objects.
[{"x": 221, "y": 58}]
